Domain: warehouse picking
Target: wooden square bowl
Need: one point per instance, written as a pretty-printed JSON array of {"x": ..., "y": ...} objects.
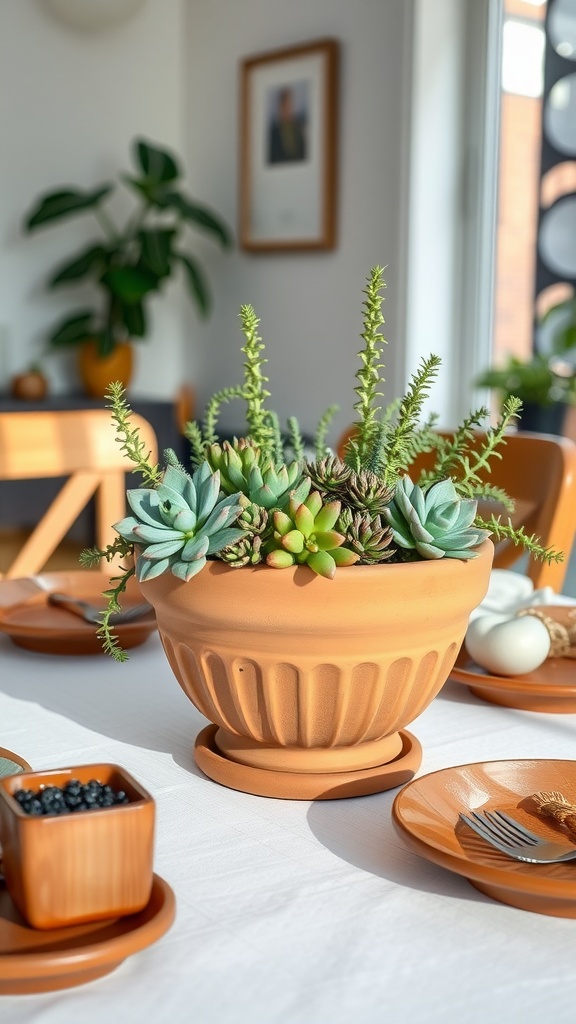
[{"x": 83, "y": 866}]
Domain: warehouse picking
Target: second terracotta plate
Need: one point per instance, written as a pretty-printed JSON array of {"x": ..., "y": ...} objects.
[
  {"x": 31, "y": 622},
  {"x": 426, "y": 814},
  {"x": 550, "y": 688}
]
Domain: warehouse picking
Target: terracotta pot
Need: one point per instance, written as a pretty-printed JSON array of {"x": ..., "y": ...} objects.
[
  {"x": 309, "y": 682},
  {"x": 97, "y": 372},
  {"x": 30, "y": 386}
]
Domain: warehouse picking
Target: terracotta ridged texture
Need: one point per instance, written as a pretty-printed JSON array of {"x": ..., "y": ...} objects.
[
  {"x": 284, "y": 658},
  {"x": 78, "y": 867}
]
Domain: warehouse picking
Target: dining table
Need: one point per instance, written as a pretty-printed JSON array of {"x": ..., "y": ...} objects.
[{"x": 287, "y": 911}]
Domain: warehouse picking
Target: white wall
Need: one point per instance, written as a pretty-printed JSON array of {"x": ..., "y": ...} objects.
[
  {"x": 70, "y": 102},
  {"x": 310, "y": 305}
]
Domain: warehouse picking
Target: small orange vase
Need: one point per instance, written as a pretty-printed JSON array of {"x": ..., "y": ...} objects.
[
  {"x": 97, "y": 372},
  {"x": 310, "y": 682}
]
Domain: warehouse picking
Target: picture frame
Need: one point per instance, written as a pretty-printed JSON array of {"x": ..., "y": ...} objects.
[{"x": 288, "y": 148}]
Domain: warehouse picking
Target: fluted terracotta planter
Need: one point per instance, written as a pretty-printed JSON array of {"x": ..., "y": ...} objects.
[
  {"x": 97, "y": 372},
  {"x": 309, "y": 683}
]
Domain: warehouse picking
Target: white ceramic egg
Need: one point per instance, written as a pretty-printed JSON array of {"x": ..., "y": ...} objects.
[{"x": 508, "y": 646}]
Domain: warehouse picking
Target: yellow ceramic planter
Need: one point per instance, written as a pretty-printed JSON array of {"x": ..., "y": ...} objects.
[{"x": 309, "y": 682}]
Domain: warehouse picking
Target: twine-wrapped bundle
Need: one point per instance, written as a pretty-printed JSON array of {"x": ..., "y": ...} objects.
[
  {"x": 554, "y": 805},
  {"x": 562, "y": 634}
]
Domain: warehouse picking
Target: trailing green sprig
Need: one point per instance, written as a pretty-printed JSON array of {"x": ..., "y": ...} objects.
[
  {"x": 369, "y": 376},
  {"x": 130, "y": 442},
  {"x": 90, "y": 557},
  {"x": 467, "y": 481},
  {"x": 212, "y": 412},
  {"x": 295, "y": 438},
  {"x": 519, "y": 537},
  {"x": 110, "y": 641},
  {"x": 398, "y": 446},
  {"x": 193, "y": 434},
  {"x": 320, "y": 446},
  {"x": 255, "y": 393}
]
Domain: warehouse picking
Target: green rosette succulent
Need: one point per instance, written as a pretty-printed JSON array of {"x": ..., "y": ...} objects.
[
  {"x": 177, "y": 525},
  {"x": 304, "y": 534},
  {"x": 243, "y": 468},
  {"x": 434, "y": 523}
]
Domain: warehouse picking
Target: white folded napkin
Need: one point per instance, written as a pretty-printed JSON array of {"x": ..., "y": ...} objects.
[{"x": 509, "y": 591}]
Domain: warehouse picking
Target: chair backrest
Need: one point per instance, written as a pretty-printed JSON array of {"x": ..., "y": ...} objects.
[
  {"x": 81, "y": 446},
  {"x": 539, "y": 472}
]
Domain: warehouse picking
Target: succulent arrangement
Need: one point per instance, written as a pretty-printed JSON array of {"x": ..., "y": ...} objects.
[{"x": 246, "y": 503}]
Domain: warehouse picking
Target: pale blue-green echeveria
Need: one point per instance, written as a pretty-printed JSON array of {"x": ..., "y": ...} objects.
[
  {"x": 435, "y": 523},
  {"x": 179, "y": 523}
]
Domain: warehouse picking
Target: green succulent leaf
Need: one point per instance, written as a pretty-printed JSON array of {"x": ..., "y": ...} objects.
[{"x": 322, "y": 563}]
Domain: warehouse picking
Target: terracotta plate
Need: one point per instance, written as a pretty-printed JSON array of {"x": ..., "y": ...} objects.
[
  {"x": 552, "y": 687},
  {"x": 42, "y": 961},
  {"x": 426, "y": 814},
  {"x": 31, "y": 622}
]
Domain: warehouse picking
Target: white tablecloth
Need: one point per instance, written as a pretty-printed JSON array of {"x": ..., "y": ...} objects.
[{"x": 289, "y": 912}]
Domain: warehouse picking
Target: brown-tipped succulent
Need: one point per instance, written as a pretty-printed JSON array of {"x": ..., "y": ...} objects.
[
  {"x": 367, "y": 535},
  {"x": 328, "y": 474},
  {"x": 365, "y": 491},
  {"x": 257, "y": 524}
]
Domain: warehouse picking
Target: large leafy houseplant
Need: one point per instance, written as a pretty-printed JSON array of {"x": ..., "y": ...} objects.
[
  {"x": 303, "y": 603},
  {"x": 130, "y": 261}
]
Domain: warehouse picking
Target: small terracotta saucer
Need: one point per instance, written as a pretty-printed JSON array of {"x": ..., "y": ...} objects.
[
  {"x": 301, "y": 785},
  {"x": 43, "y": 961},
  {"x": 426, "y": 813},
  {"x": 550, "y": 688}
]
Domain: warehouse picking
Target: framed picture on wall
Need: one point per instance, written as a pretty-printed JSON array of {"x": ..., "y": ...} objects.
[{"x": 288, "y": 148}]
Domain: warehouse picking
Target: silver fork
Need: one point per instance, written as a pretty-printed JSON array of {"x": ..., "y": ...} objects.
[{"x": 509, "y": 836}]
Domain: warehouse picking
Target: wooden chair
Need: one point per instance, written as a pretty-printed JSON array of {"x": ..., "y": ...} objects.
[
  {"x": 539, "y": 472},
  {"x": 81, "y": 446}
]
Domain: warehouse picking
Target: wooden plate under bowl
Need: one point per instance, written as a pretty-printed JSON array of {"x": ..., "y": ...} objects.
[
  {"x": 426, "y": 815},
  {"x": 32, "y": 623}
]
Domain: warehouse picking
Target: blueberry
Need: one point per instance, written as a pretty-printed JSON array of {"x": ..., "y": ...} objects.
[{"x": 68, "y": 799}]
